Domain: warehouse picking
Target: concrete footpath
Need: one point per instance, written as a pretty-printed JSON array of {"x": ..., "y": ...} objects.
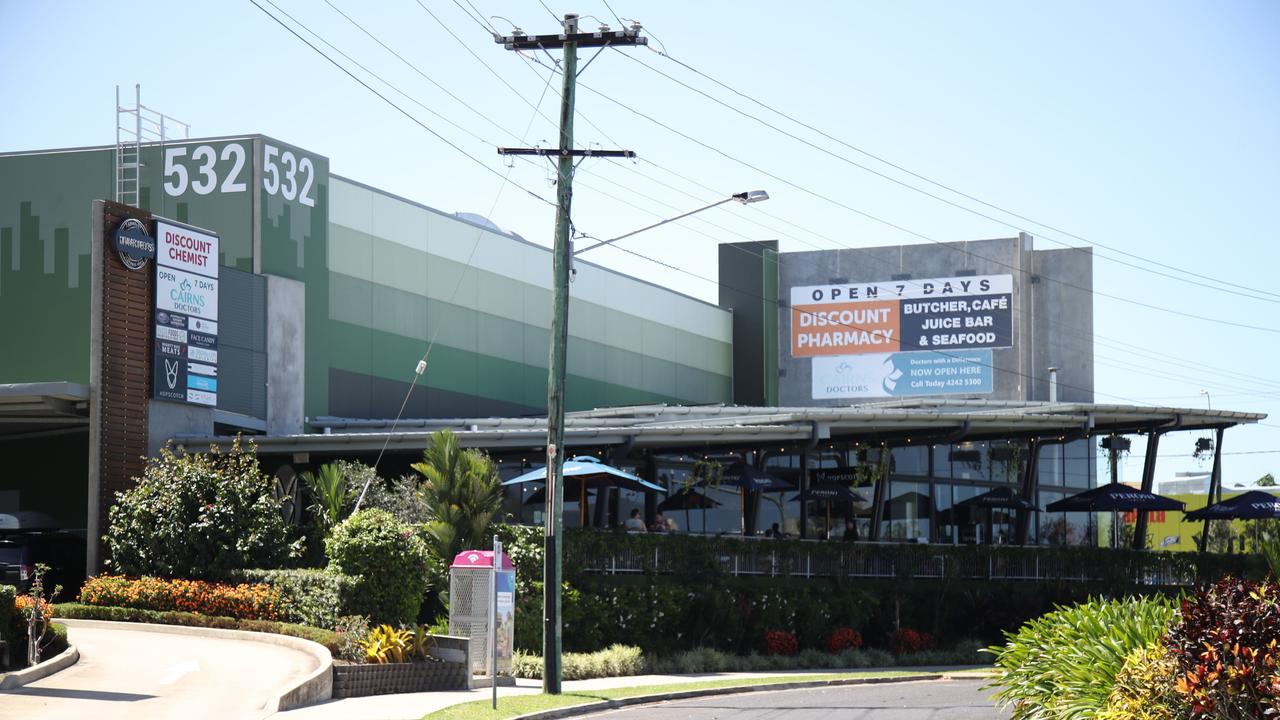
[{"x": 414, "y": 705}]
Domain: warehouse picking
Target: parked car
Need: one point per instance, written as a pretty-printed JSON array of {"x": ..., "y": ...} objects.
[{"x": 28, "y": 538}]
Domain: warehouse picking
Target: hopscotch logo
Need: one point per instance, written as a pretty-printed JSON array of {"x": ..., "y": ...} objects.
[{"x": 171, "y": 373}]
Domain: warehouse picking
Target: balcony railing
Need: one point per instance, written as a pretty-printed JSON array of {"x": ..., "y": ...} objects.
[{"x": 619, "y": 554}]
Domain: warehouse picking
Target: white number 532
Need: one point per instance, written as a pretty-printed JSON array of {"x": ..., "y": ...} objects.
[{"x": 287, "y": 174}]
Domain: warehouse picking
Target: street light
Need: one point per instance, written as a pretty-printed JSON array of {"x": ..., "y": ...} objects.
[
  {"x": 1208, "y": 403},
  {"x": 746, "y": 198},
  {"x": 552, "y": 531}
]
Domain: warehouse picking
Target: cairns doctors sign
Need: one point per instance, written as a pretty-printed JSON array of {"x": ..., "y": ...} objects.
[
  {"x": 903, "y": 337},
  {"x": 185, "y": 362}
]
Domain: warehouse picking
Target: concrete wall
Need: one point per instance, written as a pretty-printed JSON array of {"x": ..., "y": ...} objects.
[
  {"x": 166, "y": 419},
  {"x": 286, "y": 355},
  {"x": 1052, "y": 320},
  {"x": 1063, "y": 323}
]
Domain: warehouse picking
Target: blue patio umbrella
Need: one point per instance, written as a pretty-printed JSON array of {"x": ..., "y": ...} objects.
[
  {"x": 1114, "y": 497},
  {"x": 745, "y": 476},
  {"x": 1253, "y": 505},
  {"x": 585, "y": 472}
]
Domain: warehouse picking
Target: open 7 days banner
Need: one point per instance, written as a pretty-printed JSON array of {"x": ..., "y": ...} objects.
[
  {"x": 185, "y": 363},
  {"x": 902, "y": 338}
]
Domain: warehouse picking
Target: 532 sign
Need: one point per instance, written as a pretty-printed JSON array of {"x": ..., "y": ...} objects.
[{"x": 203, "y": 169}]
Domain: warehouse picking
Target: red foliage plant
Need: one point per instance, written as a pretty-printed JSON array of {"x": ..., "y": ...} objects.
[
  {"x": 1227, "y": 650},
  {"x": 844, "y": 639},
  {"x": 780, "y": 642},
  {"x": 905, "y": 640},
  {"x": 244, "y": 601}
]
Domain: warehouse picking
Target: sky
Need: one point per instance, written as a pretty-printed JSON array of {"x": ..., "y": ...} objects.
[{"x": 1149, "y": 130}]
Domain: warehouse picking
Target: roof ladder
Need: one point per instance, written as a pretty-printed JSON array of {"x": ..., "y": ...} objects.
[{"x": 134, "y": 125}]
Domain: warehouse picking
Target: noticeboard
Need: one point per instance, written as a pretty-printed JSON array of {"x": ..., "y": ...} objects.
[{"x": 185, "y": 358}]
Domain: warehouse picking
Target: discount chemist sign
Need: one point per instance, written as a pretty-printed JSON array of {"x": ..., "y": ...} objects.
[
  {"x": 937, "y": 314},
  {"x": 185, "y": 361}
]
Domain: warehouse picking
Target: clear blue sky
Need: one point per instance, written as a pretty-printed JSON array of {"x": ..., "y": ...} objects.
[{"x": 1149, "y": 127}]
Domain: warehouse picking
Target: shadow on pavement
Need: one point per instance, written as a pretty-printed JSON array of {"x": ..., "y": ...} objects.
[{"x": 82, "y": 694}]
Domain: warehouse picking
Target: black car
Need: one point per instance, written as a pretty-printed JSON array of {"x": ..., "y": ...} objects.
[{"x": 28, "y": 538}]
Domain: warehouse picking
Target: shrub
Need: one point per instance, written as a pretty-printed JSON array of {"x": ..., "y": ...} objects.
[
  {"x": 199, "y": 515},
  {"x": 1226, "y": 650},
  {"x": 1144, "y": 688},
  {"x": 780, "y": 642},
  {"x": 353, "y": 632},
  {"x": 307, "y": 596},
  {"x": 400, "y": 496},
  {"x": 244, "y": 601},
  {"x": 1063, "y": 664},
  {"x": 327, "y": 638},
  {"x": 844, "y": 639},
  {"x": 905, "y": 640},
  {"x": 613, "y": 661},
  {"x": 387, "y": 561},
  {"x": 11, "y": 620}
]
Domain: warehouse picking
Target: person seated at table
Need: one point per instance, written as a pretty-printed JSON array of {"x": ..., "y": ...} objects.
[
  {"x": 850, "y": 530},
  {"x": 635, "y": 523},
  {"x": 659, "y": 524},
  {"x": 775, "y": 532},
  {"x": 671, "y": 526}
]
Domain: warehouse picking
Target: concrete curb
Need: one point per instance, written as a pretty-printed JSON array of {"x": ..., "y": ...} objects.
[
  {"x": 314, "y": 688},
  {"x": 18, "y": 678},
  {"x": 594, "y": 707}
]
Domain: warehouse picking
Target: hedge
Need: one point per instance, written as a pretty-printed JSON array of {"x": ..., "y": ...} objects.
[
  {"x": 245, "y": 601},
  {"x": 308, "y": 596},
  {"x": 327, "y": 638}
]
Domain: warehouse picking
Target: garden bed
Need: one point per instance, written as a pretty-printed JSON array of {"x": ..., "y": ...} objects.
[{"x": 387, "y": 678}]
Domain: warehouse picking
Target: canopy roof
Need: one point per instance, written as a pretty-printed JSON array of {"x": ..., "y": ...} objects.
[{"x": 674, "y": 427}]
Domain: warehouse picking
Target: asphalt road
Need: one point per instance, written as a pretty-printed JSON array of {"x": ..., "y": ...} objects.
[
  {"x": 927, "y": 700},
  {"x": 134, "y": 674}
]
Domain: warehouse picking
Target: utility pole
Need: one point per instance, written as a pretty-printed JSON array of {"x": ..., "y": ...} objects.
[{"x": 553, "y": 531}]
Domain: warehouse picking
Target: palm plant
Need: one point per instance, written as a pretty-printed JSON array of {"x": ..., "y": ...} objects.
[
  {"x": 462, "y": 495},
  {"x": 331, "y": 493}
]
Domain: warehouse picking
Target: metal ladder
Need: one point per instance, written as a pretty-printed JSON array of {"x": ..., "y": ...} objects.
[{"x": 134, "y": 125}]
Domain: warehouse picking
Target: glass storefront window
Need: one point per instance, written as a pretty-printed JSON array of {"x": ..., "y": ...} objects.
[
  {"x": 1051, "y": 464},
  {"x": 910, "y": 460},
  {"x": 1074, "y": 528},
  {"x": 969, "y": 461},
  {"x": 1008, "y": 459},
  {"x": 908, "y": 512},
  {"x": 1080, "y": 464}
]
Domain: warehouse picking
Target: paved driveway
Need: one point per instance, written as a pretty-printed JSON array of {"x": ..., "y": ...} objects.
[
  {"x": 125, "y": 672},
  {"x": 925, "y": 700}
]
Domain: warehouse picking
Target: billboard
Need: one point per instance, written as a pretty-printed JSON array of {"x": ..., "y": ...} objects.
[
  {"x": 185, "y": 359},
  {"x": 902, "y": 338}
]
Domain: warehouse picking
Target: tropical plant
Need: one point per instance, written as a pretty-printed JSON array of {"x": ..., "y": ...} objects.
[
  {"x": 386, "y": 644},
  {"x": 331, "y": 495},
  {"x": 1227, "y": 650},
  {"x": 199, "y": 515},
  {"x": 388, "y": 562},
  {"x": 1062, "y": 665},
  {"x": 905, "y": 640},
  {"x": 462, "y": 495},
  {"x": 1144, "y": 688}
]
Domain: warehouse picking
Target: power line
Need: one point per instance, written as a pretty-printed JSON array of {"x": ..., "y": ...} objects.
[
  {"x": 947, "y": 187},
  {"x": 914, "y": 233},
  {"x": 537, "y": 111},
  {"x": 388, "y": 101}
]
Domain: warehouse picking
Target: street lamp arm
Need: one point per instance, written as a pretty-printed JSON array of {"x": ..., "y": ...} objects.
[{"x": 742, "y": 197}]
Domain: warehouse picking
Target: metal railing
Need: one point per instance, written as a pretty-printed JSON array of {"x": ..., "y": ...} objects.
[{"x": 744, "y": 558}]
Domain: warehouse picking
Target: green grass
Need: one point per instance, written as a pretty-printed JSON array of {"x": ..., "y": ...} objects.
[{"x": 515, "y": 705}]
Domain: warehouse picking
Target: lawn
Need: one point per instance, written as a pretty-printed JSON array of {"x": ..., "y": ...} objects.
[{"x": 514, "y": 706}]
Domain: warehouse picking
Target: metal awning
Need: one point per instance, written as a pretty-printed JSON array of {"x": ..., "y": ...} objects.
[
  {"x": 663, "y": 426},
  {"x": 42, "y": 407}
]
